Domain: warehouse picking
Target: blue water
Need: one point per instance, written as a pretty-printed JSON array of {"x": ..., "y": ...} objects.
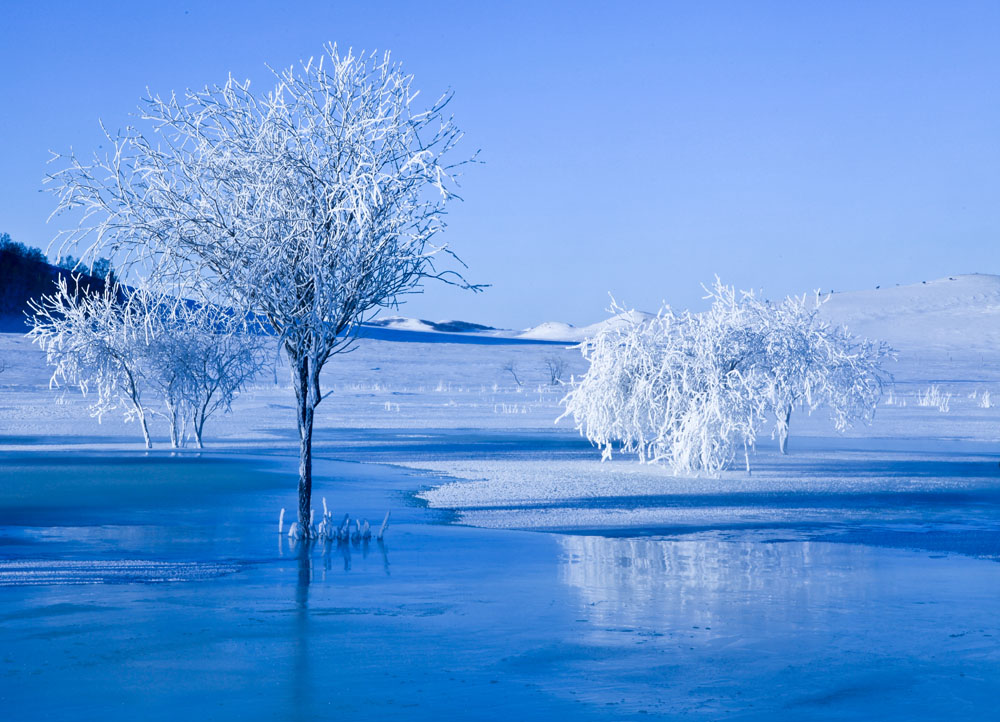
[{"x": 151, "y": 587}]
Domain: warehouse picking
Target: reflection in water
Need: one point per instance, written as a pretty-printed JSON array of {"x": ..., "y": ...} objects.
[
  {"x": 305, "y": 555},
  {"x": 300, "y": 663},
  {"x": 328, "y": 549},
  {"x": 657, "y": 584},
  {"x": 385, "y": 556},
  {"x": 343, "y": 549}
]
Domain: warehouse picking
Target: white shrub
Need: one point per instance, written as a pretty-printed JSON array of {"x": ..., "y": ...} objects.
[{"x": 691, "y": 390}]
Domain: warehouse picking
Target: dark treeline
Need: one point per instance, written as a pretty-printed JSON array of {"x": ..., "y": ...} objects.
[{"x": 25, "y": 274}]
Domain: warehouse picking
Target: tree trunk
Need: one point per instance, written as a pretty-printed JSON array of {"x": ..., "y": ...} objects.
[
  {"x": 305, "y": 465},
  {"x": 175, "y": 440},
  {"x": 145, "y": 428},
  {"x": 783, "y": 430},
  {"x": 305, "y": 380},
  {"x": 199, "y": 424},
  {"x": 134, "y": 396}
]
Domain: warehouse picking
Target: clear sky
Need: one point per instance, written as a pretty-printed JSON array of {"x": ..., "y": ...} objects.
[{"x": 633, "y": 148}]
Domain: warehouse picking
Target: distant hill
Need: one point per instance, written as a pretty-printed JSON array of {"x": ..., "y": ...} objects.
[
  {"x": 951, "y": 313},
  {"x": 957, "y": 312},
  {"x": 413, "y": 324}
]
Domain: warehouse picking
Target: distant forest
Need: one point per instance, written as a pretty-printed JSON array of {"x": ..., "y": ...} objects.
[{"x": 25, "y": 273}]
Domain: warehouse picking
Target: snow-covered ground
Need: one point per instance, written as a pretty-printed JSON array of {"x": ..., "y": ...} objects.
[{"x": 855, "y": 578}]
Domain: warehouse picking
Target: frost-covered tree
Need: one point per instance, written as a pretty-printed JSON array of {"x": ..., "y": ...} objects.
[
  {"x": 311, "y": 206},
  {"x": 97, "y": 342},
  {"x": 811, "y": 364},
  {"x": 134, "y": 347},
  {"x": 692, "y": 390},
  {"x": 201, "y": 357},
  {"x": 673, "y": 389}
]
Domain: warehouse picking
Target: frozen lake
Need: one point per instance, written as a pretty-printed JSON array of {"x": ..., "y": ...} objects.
[
  {"x": 177, "y": 596},
  {"x": 855, "y": 578}
]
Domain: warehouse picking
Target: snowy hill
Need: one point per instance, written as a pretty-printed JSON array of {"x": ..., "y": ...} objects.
[
  {"x": 553, "y": 331},
  {"x": 959, "y": 312},
  {"x": 955, "y": 312},
  {"x": 413, "y": 324},
  {"x": 952, "y": 313},
  {"x": 556, "y": 331}
]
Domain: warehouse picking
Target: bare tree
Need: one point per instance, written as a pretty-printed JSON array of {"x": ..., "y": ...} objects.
[
  {"x": 311, "y": 207},
  {"x": 511, "y": 368},
  {"x": 556, "y": 366}
]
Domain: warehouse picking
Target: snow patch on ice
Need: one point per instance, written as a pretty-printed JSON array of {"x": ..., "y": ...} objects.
[{"x": 120, "y": 571}]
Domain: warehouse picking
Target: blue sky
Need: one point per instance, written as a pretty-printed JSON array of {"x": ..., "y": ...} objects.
[{"x": 632, "y": 148}]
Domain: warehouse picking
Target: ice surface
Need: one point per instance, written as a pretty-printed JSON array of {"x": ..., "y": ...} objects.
[{"x": 442, "y": 620}]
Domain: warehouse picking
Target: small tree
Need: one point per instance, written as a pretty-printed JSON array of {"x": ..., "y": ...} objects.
[
  {"x": 556, "y": 366},
  {"x": 202, "y": 357},
  {"x": 511, "y": 368},
  {"x": 311, "y": 207},
  {"x": 811, "y": 363},
  {"x": 96, "y": 342},
  {"x": 132, "y": 345}
]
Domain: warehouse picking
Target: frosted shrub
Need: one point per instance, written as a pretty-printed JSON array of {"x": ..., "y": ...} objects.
[
  {"x": 670, "y": 389},
  {"x": 96, "y": 342},
  {"x": 692, "y": 390},
  {"x": 985, "y": 402}
]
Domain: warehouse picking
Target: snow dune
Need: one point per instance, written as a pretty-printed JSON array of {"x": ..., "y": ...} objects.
[
  {"x": 556, "y": 331},
  {"x": 954, "y": 313},
  {"x": 959, "y": 312}
]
